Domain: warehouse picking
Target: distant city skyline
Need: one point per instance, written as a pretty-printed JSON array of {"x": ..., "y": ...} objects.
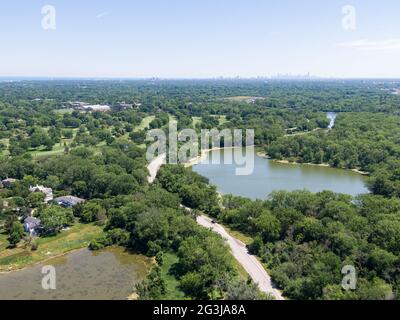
[{"x": 182, "y": 39}]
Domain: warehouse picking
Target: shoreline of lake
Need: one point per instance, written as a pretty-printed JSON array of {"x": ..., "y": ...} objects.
[
  {"x": 270, "y": 175},
  {"x": 325, "y": 165},
  {"x": 204, "y": 152},
  {"x": 112, "y": 273},
  {"x": 36, "y": 263},
  {"x": 262, "y": 154},
  {"x": 48, "y": 247}
]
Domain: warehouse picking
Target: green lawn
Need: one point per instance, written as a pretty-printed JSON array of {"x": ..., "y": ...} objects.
[
  {"x": 222, "y": 120},
  {"x": 78, "y": 236},
  {"x": 3, "y": 241},
  {"x": 44, "y": 153},
  {"x": 239, "y": 235},
  {"x": 58, "y": 148},
  {"x": 172, "y": 284},
  {"x": 196, "y": 120},
  {"x": 145, "y": 123}
]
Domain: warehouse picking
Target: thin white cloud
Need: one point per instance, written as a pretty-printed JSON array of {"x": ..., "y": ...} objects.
[
  {"x": 102, "y": 15},
  {"x": 367, "y": 45}
]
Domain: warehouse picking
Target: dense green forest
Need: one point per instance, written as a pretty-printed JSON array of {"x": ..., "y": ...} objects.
[
  {"x": 304, "y": 239},
  {"x": 365, "y": 141}
]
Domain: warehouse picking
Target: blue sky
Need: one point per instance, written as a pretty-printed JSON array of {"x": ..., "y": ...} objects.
[{"x": 199, "y": 38}]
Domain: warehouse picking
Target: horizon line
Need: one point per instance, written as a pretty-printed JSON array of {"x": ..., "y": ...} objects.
[{"x": 153, "y": 78}]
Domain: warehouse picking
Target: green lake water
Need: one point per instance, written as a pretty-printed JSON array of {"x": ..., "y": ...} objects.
[{"x": 269, "y": 176}]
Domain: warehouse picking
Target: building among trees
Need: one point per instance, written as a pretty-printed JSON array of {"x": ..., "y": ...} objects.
[
  {"x": 68, "y": 201},
  {"x": 48, "y": 192},
  {"x": 32, "y": 226}
]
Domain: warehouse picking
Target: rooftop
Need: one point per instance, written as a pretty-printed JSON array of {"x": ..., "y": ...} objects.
[
  {"x": 32, "y": 222},
  {"x": 68, "y": 200}
]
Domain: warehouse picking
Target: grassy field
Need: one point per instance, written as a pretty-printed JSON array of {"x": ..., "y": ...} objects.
[
  {"x": 58, "y": 148},
  {"x": 145, "y": 123},
  {"x": 78, "y": 236},
  {"x": 172, "y": 284},
  {"x": 222, "y": 120},
  {"x": 196, "y": 120}
]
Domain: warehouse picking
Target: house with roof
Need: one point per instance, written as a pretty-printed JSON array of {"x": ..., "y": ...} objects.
[
  {"x": 48, "y": 192},
  {"x": 68, "y": 201},
  {"x": 123, "y": 106},
  {"x": 32, "y": 226}
]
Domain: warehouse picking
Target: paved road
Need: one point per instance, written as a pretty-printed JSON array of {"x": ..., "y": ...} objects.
[{"x": 249, "y": 262}]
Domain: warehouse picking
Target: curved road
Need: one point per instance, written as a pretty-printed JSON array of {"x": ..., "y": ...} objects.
[
  {"x": 239, "y": 250},
  {"x": 249, "y": 262}
]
